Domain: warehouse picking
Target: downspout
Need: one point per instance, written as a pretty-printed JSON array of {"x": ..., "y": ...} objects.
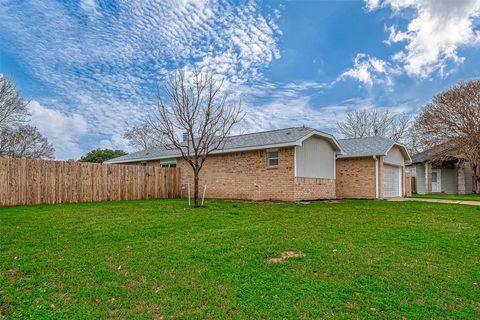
[
  {"x": 376, "y": 176},
  {"x": 295, "y": 161}
]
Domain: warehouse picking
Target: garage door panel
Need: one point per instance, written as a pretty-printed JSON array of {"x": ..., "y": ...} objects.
[{"x": 391, "y": 181}]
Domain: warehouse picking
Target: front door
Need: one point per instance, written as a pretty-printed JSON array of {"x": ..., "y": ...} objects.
[{"x": 436, "y": 180}]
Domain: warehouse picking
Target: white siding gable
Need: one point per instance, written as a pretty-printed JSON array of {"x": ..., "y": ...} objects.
[
  {"x": 315, "y": 159},
  {"x": 395, "y": 156}
]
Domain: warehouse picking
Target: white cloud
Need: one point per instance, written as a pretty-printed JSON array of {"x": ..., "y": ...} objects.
[
  {"x": 290, "y": 113},
  {"x": 106, "y": 69},
  {"x": 292, "y": 104},
  {"x": 273, "y": 106},
  {"x": 435, "y": 32},
  {"x": 89, "y": 6},
  {"x": 63, "y": 130},
  {"x": 369, "y": 70}
]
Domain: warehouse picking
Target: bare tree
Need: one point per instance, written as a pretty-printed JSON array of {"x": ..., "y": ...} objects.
[
  {"x": 143, "y": 137},
  {"x": 368, "y": 123},
  {"x": 196, "y": 118},
  {"x": 13, "y": 109},
  {"x": 16, "y": 138},
  {"x": 24, "y": 141},
  {"x": 452, "y": 121}
]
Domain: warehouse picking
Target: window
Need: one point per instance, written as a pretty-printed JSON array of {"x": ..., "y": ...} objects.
[
  {"x": 272, "y": 158},
  {"x": 143, "y": 163},
  {"x": 168, "y": 163}
]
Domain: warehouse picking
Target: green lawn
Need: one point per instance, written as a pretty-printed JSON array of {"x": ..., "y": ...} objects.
[
  {"x": 456, "y": 197},
  {"x": 156, "y": 259}
]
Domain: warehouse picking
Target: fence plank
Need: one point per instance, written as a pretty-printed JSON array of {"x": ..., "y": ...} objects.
[{"x": 25, "y": 182}]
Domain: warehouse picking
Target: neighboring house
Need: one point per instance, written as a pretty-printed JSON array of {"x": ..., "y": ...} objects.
[
  {"x": 291, "y": 164},
  {"x": 371, "y": 168},
  {"x": 450, "y": 177}
]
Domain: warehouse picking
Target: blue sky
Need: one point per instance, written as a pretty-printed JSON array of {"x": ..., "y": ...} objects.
[{"x": 90, "y": 67}]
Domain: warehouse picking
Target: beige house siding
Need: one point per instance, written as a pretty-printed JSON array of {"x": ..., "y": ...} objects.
[
  {"x": 315, "y": 159},
  {"x": 395, "y": 157},
  {"x": 420, "y": 178},
  {"x": 449, "y": 178},
  {"x": 469, "y": 179}
]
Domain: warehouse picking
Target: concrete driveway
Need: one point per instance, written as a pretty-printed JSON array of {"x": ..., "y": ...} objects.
[{"x": 470, "y": 203}]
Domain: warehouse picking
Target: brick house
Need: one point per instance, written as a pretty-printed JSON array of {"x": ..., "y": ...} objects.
[
  {"x": 371, "y": 168},
  {"x": 290, "y": 164}
]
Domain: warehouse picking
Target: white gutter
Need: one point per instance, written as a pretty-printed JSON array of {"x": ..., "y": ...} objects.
[
  {"x": 335, "y": 165},
  {"x": 178, "y": 155},
  {"x": 376, "y": 176},
  {"x": 295, "y": 160}
]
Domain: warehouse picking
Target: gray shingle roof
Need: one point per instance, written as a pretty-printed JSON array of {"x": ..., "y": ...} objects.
[
  {"x": 244, "y": 141},
  {"x": 430, "y": 154},
  {"x": 423, "y": 156},
  {"x": 363, "y": 147}
]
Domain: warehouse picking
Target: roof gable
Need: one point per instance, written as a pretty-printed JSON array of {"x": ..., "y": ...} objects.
[
  {"x": 370, "y": 146},
  {"x": 431, "y": 153}
]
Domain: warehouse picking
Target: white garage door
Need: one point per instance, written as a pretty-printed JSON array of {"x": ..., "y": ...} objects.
[{"x": 391, "y": 181}]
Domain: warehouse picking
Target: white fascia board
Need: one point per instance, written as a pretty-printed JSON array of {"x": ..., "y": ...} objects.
[
  {"x": 295, "y": 161},
  {"x": 324, "y": 135},
  {"x": 405, "y": 151},
  {"x": 343, "y": 156}
]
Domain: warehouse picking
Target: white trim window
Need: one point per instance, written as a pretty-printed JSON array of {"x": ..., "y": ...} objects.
[
  {"x": 272, "y": 158},
  {"x": 168, "y": 163}
]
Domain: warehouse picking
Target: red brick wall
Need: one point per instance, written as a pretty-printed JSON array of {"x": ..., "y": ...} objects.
[
  {"x": 356, "y": 178},
  {"x": 314, "y": 189},
  {"x": 245, "y": 176}
]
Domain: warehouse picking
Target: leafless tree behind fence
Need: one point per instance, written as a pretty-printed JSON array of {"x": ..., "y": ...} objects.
[
  {"x": 18, "y": 139},
  {"x": 143, "y": 137},
  {"x": 24, "y": 141},
  {"x": 368, "y": 123},
  {"x": 13, "y": 109}
]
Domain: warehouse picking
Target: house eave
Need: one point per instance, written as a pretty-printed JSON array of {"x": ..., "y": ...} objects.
[
  {"x": 179, "y": 155},
  {"x": 243, "y": 149}
]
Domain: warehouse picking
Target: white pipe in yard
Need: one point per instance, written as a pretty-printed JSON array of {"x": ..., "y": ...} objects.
[{"x": 204, "y": 190}]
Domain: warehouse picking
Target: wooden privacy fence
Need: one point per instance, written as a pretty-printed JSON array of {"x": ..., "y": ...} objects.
[
  {"x": 25, "y": 182},
  {"x": 414, "y": 184},
  {"x": 408, "y": 184}
]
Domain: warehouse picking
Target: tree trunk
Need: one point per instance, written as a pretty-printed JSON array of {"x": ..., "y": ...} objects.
[{"x": 195, "y": 189}]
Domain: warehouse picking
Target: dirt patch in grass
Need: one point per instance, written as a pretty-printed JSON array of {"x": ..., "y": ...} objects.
[{"x": 286, "y": 255}]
